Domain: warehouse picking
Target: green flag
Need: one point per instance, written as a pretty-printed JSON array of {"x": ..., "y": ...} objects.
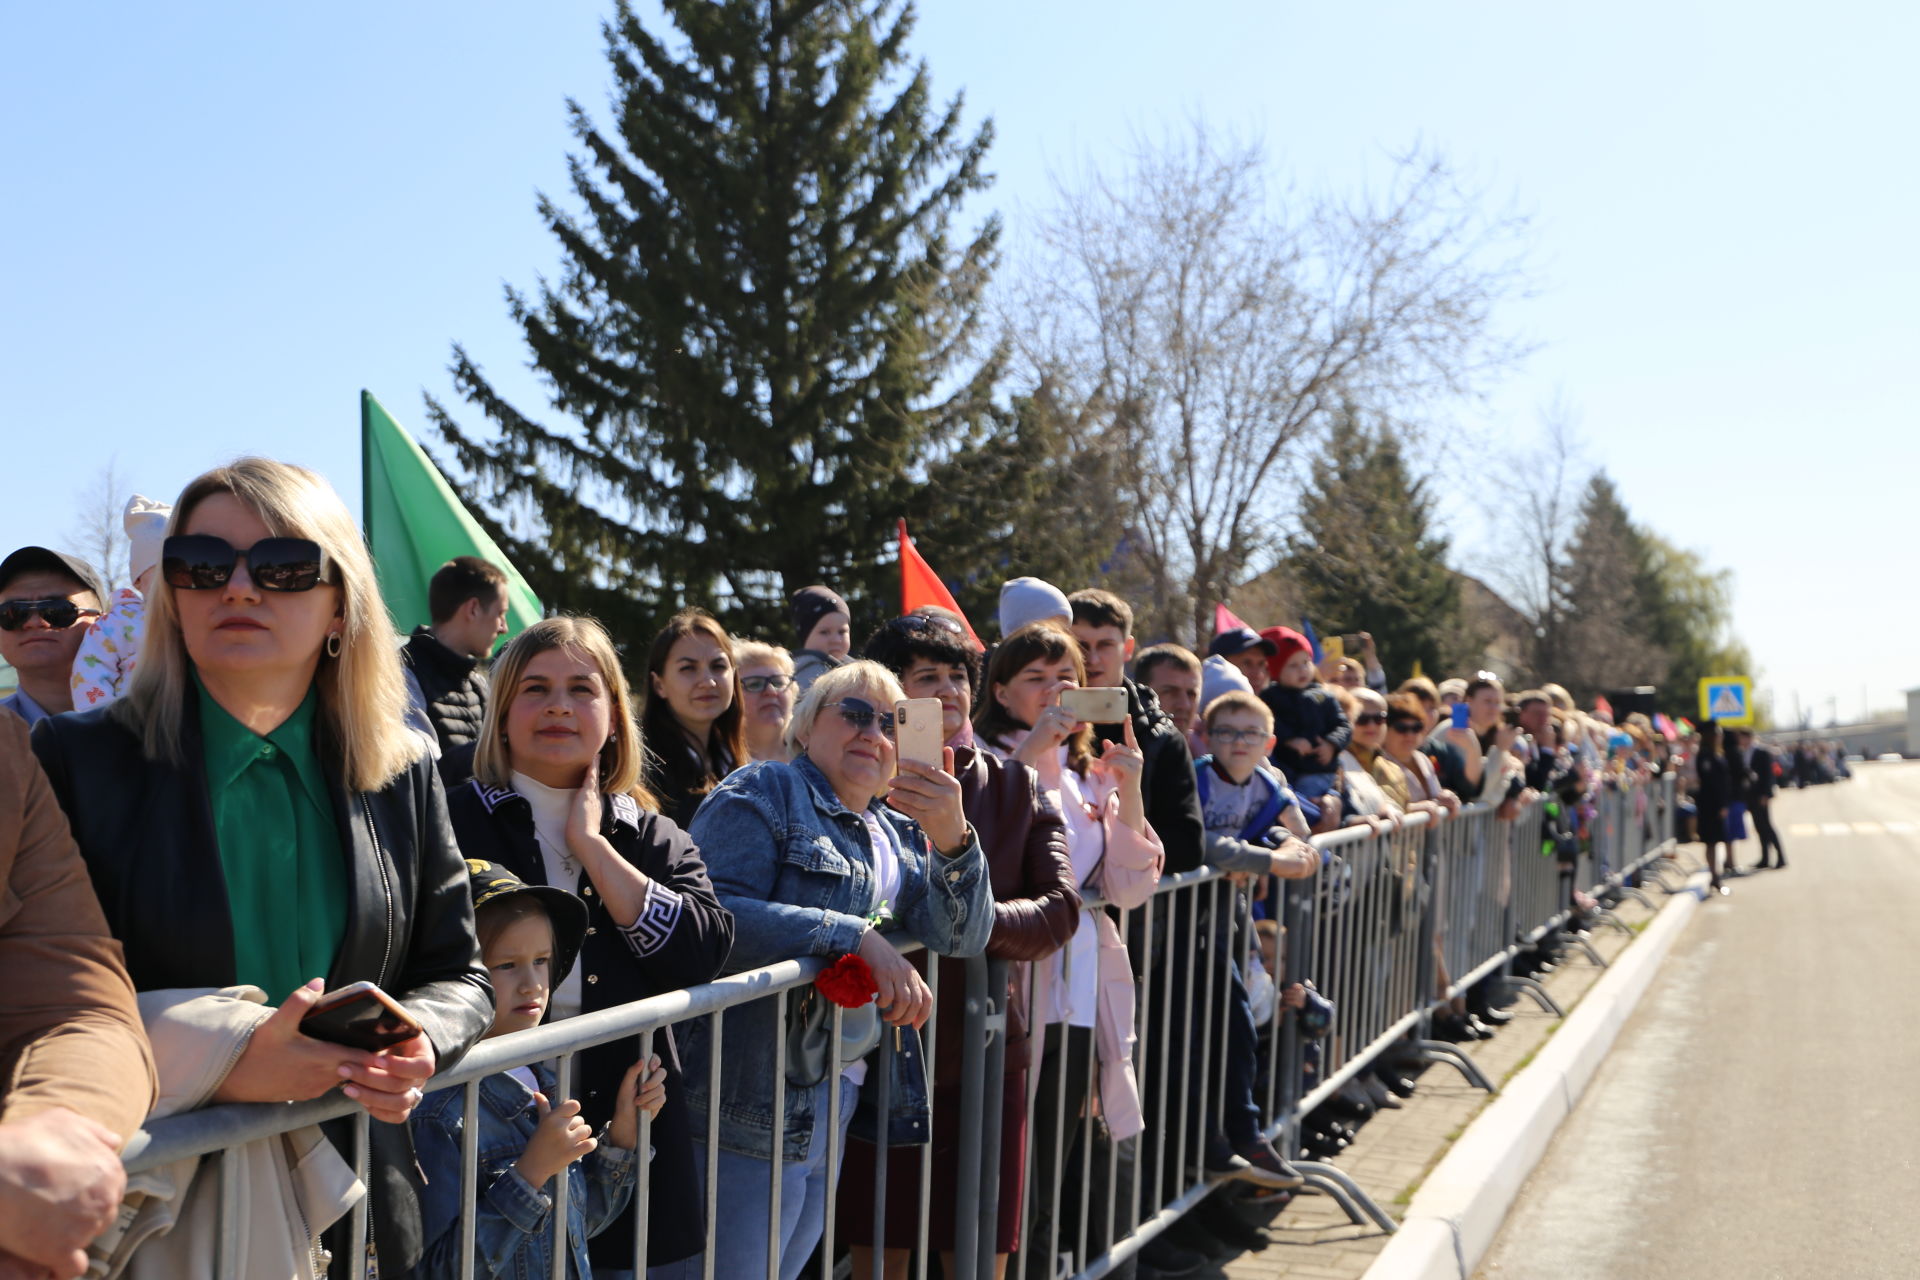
[{"x": 415, "y": 523}]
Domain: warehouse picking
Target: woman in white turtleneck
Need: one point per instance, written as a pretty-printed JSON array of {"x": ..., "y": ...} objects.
[{"x": 556, "y": 797}]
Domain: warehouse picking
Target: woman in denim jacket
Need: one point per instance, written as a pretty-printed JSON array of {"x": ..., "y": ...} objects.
[{"x": 806, "y": 856}]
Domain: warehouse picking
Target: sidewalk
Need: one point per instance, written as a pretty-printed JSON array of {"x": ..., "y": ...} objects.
[{"x": 1312, "y": 1239}]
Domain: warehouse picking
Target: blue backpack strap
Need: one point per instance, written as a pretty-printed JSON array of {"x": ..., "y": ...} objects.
[{"x": 1263, "y": 821}]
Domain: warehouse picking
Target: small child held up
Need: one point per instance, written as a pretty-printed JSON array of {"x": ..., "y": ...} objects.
[
  {"x": 105, "y": 659},
  {"x": 530, "y": 936},
  {"x": 1310, "y": 729}
]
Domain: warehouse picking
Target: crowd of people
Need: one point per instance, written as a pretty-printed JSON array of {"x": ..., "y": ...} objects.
[{"x": 244, "y": 792}]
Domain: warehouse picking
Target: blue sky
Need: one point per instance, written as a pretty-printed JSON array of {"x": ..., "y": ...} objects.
[{"x": 225, "y": 219}]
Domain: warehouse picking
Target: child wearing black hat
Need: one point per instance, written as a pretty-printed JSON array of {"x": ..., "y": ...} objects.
[{"x": 530, "y": 936}]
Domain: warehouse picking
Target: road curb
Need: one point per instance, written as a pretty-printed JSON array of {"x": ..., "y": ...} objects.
[{"x": 1459, "y": 1209}]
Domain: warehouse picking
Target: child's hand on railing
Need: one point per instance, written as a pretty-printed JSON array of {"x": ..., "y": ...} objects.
[
  {"x": 643, "y": 1088},
  {"x": 561, "y": 1138}
]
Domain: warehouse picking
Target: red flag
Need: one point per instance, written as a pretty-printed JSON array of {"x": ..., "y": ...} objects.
[
  {"x": 1225, "y": 620},
  {"x": 919, "y": 585},
  {"x": 1601, "y": 707}
]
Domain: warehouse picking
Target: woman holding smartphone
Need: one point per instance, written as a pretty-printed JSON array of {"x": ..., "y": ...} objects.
[
  {"x": 255, "y": 811},
  {"x": 1083, "y": 995}
]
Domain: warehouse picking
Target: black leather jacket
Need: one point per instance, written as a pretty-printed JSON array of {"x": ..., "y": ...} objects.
[
  {"x": 146, "y": 831},
  {"x": 681, "y": 940}
]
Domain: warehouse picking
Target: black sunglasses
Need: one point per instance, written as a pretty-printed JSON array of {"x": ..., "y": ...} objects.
[
  {"x": 860, "y": 713},
  {"x": 918, "y": 623},
  {"x": 201, "y": 562},
  {"x": 58, "y": 613},
  {"x": 1405, "y": 726},
  {"x": 1370, "y": 717}
]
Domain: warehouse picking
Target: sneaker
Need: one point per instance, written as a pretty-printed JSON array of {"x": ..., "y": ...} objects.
[{"x": 1266, "y": 1168}]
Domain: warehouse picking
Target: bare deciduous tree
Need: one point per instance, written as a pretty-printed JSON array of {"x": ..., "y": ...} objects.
[
  {"x": 1210, "y": 330},
  {"x": 98, "y": 532},
  {"x": 1539, "y": 508}
]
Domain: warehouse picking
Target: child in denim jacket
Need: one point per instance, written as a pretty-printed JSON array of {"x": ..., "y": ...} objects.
[{"x": 529, "y": 938}]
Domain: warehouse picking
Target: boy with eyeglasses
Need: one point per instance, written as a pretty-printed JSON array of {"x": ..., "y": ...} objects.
[
  {"x": 1255, "y": 829},
  {"x": 44, "y": 596}
]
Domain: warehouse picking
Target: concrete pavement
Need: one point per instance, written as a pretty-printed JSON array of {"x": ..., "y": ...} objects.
[{"x": 1757, "y": 1118}]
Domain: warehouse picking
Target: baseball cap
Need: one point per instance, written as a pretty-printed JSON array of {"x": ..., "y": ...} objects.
[
  {"x": 47, "y": 560},
  {"x": 1239, "y": 640}
]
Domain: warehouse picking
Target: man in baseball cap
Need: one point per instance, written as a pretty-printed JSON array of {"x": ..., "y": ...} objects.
[
  {"x": 1247, "y": 650},
  {"x": 46, "y": 597}
]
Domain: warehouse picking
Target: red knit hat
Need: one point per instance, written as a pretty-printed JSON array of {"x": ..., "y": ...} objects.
[{"x": 1286, "y": 643}]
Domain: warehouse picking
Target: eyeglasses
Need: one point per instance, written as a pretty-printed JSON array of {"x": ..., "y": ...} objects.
[
  {"x": 1234, "y": 737},
  {"x": 1405, "y": 726},
  {"x": 201, "y": 562},
  {"x": 919, "y": 623},
  {"x": 760, "y": 684},
  {"x": 1370, "y": 717},
  {"x": 57, "y": 613},
  {"x": 859, "y": 713}
]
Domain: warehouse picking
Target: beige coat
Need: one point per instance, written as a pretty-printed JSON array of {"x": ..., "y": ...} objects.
[{"x": 286, "y": 1190}]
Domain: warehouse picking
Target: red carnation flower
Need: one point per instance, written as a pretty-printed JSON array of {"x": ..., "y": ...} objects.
[{"x": 847, "y": 982}]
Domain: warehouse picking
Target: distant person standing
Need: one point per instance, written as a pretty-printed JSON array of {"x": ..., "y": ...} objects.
[
  {"x": 1761, "y": 785},
  {"x": 1712, "y": 794},
  {"x": 44, "y": 596},
  {"x": 446, "y": 662}
]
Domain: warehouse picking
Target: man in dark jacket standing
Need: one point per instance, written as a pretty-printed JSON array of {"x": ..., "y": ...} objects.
[{"x": 446, "y": 662}]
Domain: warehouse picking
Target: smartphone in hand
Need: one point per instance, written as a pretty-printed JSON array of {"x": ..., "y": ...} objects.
[
  {"x": 1104, "y": 705},
  {"x": 917, "y": 735},
  {"x": 360, "y": 1016},
  {"x": 1461, "y": 713}
]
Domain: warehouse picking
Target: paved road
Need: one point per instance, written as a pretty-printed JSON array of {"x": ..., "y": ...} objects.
[{"x": 1760, "y": 1115}]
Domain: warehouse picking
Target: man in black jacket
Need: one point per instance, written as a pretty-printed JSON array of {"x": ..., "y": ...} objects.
[{"x": 446, "y": 662}]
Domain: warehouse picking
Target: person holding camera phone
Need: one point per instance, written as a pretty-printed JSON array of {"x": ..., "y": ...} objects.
[
  {"x": 255, "y": 811},
  {"x": 1116, "y": 857}
]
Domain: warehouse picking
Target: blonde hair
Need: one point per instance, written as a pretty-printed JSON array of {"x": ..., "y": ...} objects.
[
  {"x": 362, "y": 692},
  {"x": 1238, "y": 700},
  {"x": 751, "y": 653},
  {"x": 853, "y": 678},
  {"x": 623, "y": 760}
]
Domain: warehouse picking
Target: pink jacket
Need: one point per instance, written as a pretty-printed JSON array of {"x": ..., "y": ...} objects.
[{"x": 1128, "y": 873}]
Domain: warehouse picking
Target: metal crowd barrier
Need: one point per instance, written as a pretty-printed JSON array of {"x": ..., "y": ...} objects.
[{"x": 1390, "y": 928}]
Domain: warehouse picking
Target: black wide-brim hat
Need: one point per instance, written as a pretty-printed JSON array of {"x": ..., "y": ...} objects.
[{"x": 567, "y": 912}]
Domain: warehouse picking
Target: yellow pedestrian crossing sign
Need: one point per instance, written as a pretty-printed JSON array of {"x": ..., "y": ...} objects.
[{"x": 1727, "y": 700}]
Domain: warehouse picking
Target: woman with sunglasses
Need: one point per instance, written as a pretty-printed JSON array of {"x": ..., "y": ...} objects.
[
  {"x": 556, "y": 798},
  {"x": 820, "y": 857},
  {"x": 767, "y": 694},
  {"x": 254, "y": 811},
  {"x": 1036, "y": 908},
  {"x": 1366, "y": 755},
  {"x": 692, "y": 717},
  {"x": 1083, "y": 996}
]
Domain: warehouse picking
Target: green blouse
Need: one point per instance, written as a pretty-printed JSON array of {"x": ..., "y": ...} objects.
[{"x": 279, "y": 844}]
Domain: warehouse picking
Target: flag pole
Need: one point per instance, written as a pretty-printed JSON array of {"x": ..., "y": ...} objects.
[{"x": 366, "y": 474}]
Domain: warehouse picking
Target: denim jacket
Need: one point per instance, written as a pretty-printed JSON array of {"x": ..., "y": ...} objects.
[
  {"x": 513, "y": 1221},
  {"x": 795, "y": 867}
]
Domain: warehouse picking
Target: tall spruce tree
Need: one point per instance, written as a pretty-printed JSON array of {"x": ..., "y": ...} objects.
[
  {"x": 1367, "y": 558},
  {"x": 760, "y": 336},
  {"x": 1605, "y": 642}
]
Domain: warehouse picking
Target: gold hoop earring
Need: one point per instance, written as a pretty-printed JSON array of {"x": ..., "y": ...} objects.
[{"x": 333, "y": 644}]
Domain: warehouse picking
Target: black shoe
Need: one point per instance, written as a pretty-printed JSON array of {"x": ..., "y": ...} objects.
[
  {"x": 1494, "y": 1017},
  {"x": 1265, "y": 1168},
  {"x": 1198, "y": 1237},
  {"x": 1397, "y": 1085}
]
